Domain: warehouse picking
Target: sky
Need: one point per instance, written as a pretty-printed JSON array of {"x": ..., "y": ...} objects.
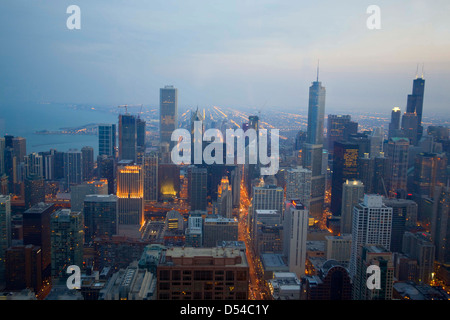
[{"x": 236, "y": 53}]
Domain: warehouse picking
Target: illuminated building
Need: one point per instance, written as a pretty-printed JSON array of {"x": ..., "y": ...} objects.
[
  {"x": 373, "y": 255},
  {"x": 168, "y": 181},
  {"x": 168, "y": 110},
  {"x": 373, "y": 173},
  {"x": 67, "y": 239},
  {"x": 352, "y": 193},
  {"x": 295, "y": 228},
  {"x": 372, "y": 223},
  {"x": 130, "y": 193},
  {"x": 345, "y": 167},
  {"x": 394, "y": 125},
  {"x": 225, "y": 199},
  {"x": 410, "y": 127},
  {"x": 203, "y": 274},
  {"x": 174, "y": 220},
  {"x": 107, "y": 139},
  {"x": 440, "y": 224},
  {"x": 285, "y": 286},
  {"x": 101, "y": 216},
  {"x": 5, "y": 231},
  {"x": 338, "y": 128}
]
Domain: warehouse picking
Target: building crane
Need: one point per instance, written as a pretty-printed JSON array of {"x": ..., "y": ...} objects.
[{"x": 124, "y": 106}]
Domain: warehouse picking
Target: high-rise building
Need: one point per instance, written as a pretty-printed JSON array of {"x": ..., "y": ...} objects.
[
  {"x": 394, "y": 125},
  {"x": 352, "y": 193},
  {"x": 127, "y": 137},
  {"x": 268, "y": 232},
  {"x": 338, "y": 248},
  {"x": 225, "y": 199},
  {"x": 410, "y": 127},
  {"x": 5, "y": 233},
  {"x": 24, "y": 268},
  {"x": 34, "y": 189},
  {"x": 107, "y": 139},
  {"x": 168, "y": 113},
  {"x": 404, "y": 216},
  {"x": 295, "y": 226},
  {"x": 415, "y": 102},
  {"x": 203, "y": 273},
  {"x": 34, "y": 165},
  {"x": 101, "y": 216},
  {"x": 312, "y": 154},
  {"x": 440, "y": 224},
  {"x": 339, "y": 127},
  {"x": 36, "y": 231},
  {"x": 87, "y": 156},
  {"x": 150, "y": 177},
  {"x": 197, "y": 190},
  {"x": 345, "y": 167},
  {"x": 373, "y": 255},
  {"x": 73, "y": 168},
  {"x": 194, "y": 230},
  {"x": 67, "y": 239},
  {"x": 419, "y": 246},
  {"x": 140, "y": 139},
  {"x": 372, "y": 223},
  {"x": 397, "y": 152},
  {"x": 298, "y": 184},
  {"x": 106, "y": 169},
  {"x": 430, "y": 170},
  {"x": 130, "y": 193},
  {"x": 80, "y": 191}
]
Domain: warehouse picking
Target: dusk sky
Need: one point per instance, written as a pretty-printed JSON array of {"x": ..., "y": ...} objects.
[{"x": 244, "y": 53}]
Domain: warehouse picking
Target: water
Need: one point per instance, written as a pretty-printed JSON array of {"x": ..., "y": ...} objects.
[{"x": 24, "y": 119}]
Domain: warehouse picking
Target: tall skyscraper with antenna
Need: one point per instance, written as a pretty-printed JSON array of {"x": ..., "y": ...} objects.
[
  {"x": 415, "y": 100},
  {"x": 313, "y": 148}
]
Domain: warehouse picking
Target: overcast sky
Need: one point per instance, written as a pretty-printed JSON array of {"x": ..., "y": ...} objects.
[{"x": 227, "y": 53}]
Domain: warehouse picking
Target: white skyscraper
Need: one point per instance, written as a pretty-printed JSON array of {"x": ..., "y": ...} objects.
[
  {"x": 352, "y": 192},
  {"x": 295, "y": 226},
  {"x": 372, "y": 224}
]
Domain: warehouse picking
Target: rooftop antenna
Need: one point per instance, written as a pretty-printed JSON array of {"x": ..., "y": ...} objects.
[
  {"x": 423, "y": 66},
  {"x": 318, "y": 62},
  {"x": 417, "y": 71}
]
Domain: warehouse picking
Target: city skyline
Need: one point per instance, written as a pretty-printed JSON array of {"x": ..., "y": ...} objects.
[{"x": 265, "y": 53}]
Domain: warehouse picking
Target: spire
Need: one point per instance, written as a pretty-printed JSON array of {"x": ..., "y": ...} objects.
[
  {"x": 318, "y": 62},
  {"x": 423, "y": 66},
  {"x": 417, "y": 71}
]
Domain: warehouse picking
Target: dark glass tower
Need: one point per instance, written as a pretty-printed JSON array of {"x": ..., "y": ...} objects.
[
  {"x": 127, "y": 137},
  {"x": 415, "y": 102},
  {"x": 168, "y": 112}
]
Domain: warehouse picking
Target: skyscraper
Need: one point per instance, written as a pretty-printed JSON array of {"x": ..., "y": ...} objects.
[
  {"x": 130, "y": 193},
  {"x": 34, "y": 190},
  {"x": 298, "y": 184},
  {"x": 345, "y": 167},
  {"x": 5, "y": 233},
  {"x": 440, "y": 224},
  {"x": 295, "y": 228},
  {"x": 67, "y": 239},
  {"x": 338, "y": 128},
  {"x": 168, "y": 113},
  {"x": 197, "y": 190},
  {"x": 225, "y": 199},
  {"x": 127, "y": 137},
  {"x": 372, "y": 221},
  {"x": 415, "y": 102},
  {"x": 151, "y": 177},
  {"x": 36, "y": 231},
  {"x": 87, "y": 156},
  {"x": 73, "y": 168},
  {"x": 430, "y": 170},
  {"x": 312, "y": 150},
  {"x": 101, "y": 216},
  {"x": 397, "y": 152},
  {"x": 394, "y": 125},
  {"x": 352, "y": 193},
  {"x": 107, "y": 139}
]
